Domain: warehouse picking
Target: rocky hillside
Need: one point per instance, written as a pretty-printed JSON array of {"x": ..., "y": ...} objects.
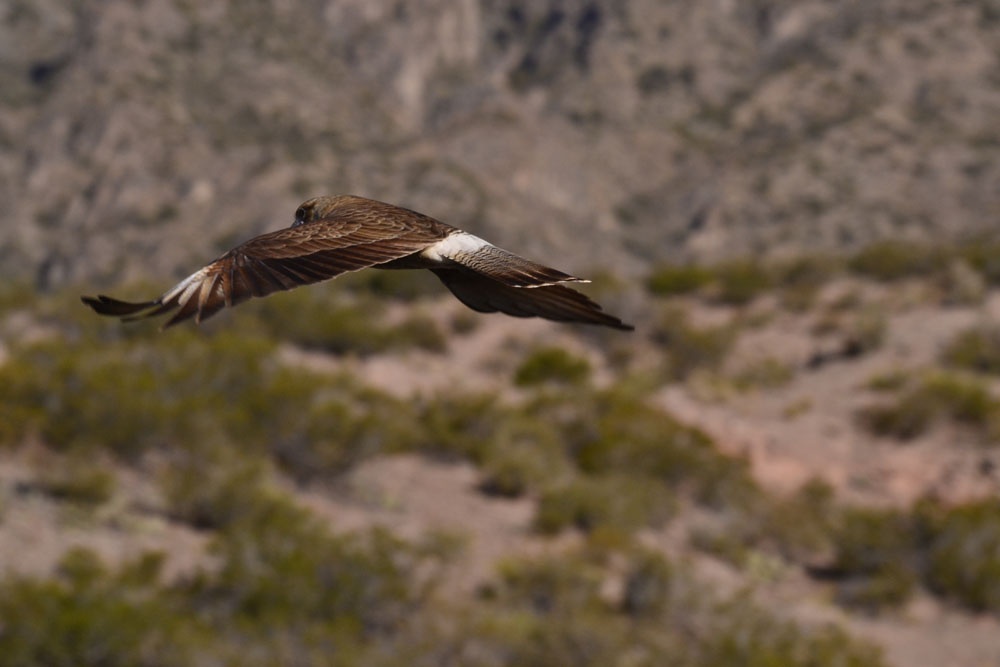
[{"x": 598, "y": 130}]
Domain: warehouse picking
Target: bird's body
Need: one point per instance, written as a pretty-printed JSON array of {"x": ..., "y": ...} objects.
[{"x": 334, "y": 235}]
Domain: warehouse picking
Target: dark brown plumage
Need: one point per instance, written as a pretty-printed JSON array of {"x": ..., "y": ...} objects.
[{"x": 334, "y": 235}]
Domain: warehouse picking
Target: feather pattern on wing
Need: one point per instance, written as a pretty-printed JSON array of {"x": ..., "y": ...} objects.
[
  {"x": 355, "y": 235},
  {"x": 487, "y": 259}
]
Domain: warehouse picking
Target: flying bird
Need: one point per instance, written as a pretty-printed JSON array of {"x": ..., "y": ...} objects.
[{"x": 334, "y": 235}]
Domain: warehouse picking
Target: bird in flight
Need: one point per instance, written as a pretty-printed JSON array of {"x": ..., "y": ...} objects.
[{"x": 334, "y": 235}]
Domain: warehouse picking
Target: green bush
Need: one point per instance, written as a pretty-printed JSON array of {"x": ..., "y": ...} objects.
[
  {"x": 676, "y": 280},
  {"x": 417, "y": 331},
  {"x": 797, "y": 527},
  {"x": 894, "y": 260},
  {"x": 984, "y": 256},
  {"x": 800, "y": 279},
  {"x": 405, "y": 286},
  {"x": 87, "y": 615},
  {"x": 690, "y": 348},
  {"x": 876, "y": 554},
  {"x": 213, "y": 490},
  {"x": 963, "y": 400},
  {"x": 549, "y": 585},
  {"x": 763, "y": 373},
  {"x": 338, "y": 322},
  {"x": 462, "y": 426},
  {"x": 976, "y": 349},
  {"x": 551, "y": 364},
  {"x": 865, "y": 332},
  {"x": 184, "y": 391},
  {"x": 609, "y": 502},
  {"x": 280, "y": 568},
  {"x": 617, "y": 431},
  {"x": 552, "y": 611},
  {"x": 129, "y": 397},
  {"x": 964, "y": 562},
  {"x": 741, "y": 281},
  {"x": 888, "y": 381},
  {"x": 741, "y": 634},
  {"x": 513, "y": 468},
  {"x": 647, "y": 585},
  {"x": 77, "y": 479}
]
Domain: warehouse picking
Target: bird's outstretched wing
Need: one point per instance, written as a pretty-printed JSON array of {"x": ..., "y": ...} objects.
[
  {"x": 282, "y": 260},
  {"x": 552, "y": 302},
  {"x": 505, "y": 267}
]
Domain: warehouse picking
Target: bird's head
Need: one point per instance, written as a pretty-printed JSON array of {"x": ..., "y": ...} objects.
[{"x": 318, "y": 208}]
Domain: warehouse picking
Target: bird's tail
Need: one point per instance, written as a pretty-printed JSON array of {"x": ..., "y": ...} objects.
[{"x": 105, "y": 305}]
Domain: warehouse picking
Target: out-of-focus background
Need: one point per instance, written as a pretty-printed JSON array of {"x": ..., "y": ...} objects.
[{"x": 793, "y": 460}]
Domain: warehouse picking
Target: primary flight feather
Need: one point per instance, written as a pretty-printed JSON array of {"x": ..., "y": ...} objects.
[{"x": 334, "y": 235}]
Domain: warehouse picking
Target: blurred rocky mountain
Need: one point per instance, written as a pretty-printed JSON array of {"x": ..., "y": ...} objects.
[{"x": 139, "y": 138}]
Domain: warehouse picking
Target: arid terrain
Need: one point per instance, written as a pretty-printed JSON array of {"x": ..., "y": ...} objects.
[{"x": 794, "y": 459}]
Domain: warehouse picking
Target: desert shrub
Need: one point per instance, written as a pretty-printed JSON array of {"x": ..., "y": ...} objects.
[
  {"x": 281, "y": 587},
  {"x": 876, "y": 557},
  {"x": 514, "y": 467},
  {"x": 549, "y": 585},
  {"x": 185, "y": 391},
  {"x": 889, "y": 587},
  {"x": 87, "y": 615},
  {"x": 465, "y": 321},
  {"x": 677, "y": 279},
  {"x": 794, "y": 527},
  {"x": 741, "y": 281},
  {"x": 281, "y": 568},
  {"x": 646, "y": 591},
  {"x": 961, "y": 284},
  {"x": 339, "y": 423},
  {"x": 763, "y": 373},
  {"x": 893, "y": 260},
  {"x": 984, "y": 257},
  {"x": 303, "y": 318},
  {"x": 515, "y": 450},
  {"x": 802, "y": 523},
  {"x": 616, "y": 503},
  {"x": 418, "y": 331},
  {"x": 551, "y": 364},
  {"x": 616, "y": 431},
  {"x": 689, "y": 348},
  {"x": 76, "y": 479},
  {"x": 964, "y": 559},
  {"x": 15, "y": 295},
  {"x": 800, "y": 278},
  {"x": 339, "y": 322},
  {"x": 405, "y": 286},
  {"x": 213, "y": 490},
  {"x": 963, "y": 400},
  {"x": 888, "y": 381},
  {"x": 127, "y": 397},
  {"x": 905, "y": 419},
  {"x": 461, "y": 426},
  {"x": 738, "y": 632},
  {"x": 865, "y": 332},
  {"x": 552, "y": 610},
  {"x": 976, "y": 349}
]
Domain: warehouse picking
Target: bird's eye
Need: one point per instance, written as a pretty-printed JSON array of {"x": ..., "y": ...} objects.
[{"x": 300, "y": 216}]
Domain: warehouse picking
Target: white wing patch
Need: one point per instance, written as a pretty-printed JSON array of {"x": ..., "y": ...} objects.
[{"x": 454, "y": 244}]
